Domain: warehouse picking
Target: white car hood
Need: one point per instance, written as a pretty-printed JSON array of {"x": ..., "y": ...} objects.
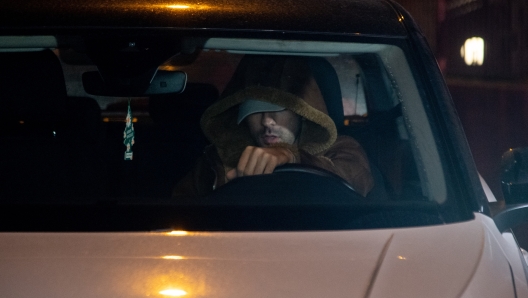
[{"x": 437, "y": 261}]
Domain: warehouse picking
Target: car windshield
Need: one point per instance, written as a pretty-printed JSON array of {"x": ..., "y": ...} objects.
[{"x": 79, "y": 159}]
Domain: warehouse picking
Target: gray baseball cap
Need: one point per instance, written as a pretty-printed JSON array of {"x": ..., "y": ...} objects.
[{"x": 252, "y": 106}]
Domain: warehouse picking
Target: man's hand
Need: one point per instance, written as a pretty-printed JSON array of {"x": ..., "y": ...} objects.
[{"x": 259, "y": 160}]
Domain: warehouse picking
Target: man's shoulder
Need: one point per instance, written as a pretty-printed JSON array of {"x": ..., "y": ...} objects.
[
  {"x": 346, "y": 145},
  {"x": 344, "y": 140}
]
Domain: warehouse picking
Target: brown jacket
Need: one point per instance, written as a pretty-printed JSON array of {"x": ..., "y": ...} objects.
[
  {"x": 345, "y": 158},
  {"x": 286, "y": 81}
]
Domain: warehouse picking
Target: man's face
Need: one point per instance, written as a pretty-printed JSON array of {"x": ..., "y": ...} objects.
[{"x": 274, "y": 127}]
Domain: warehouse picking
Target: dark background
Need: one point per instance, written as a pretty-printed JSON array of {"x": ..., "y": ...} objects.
[{"x": 491, "y": 99}]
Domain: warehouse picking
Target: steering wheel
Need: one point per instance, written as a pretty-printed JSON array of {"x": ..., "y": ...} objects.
[
  {"x": 290, "y": 184},
  {"x": 308, "y": 169}
]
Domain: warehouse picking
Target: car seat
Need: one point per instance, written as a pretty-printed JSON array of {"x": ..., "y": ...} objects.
[
  {"x": 382, "y": 135},
  {"x": 44, "y": 155},
  {"x": 328, "y": 82}
]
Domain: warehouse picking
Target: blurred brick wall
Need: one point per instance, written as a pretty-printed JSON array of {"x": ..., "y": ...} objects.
[{"x": 493, "y": 117}]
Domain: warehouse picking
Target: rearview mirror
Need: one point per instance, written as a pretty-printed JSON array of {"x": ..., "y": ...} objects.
[
  {"x": 514, "y": 175},
  {"x": 163, "y": 82}
]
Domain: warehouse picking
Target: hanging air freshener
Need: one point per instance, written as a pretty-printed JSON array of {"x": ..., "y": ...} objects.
[{"x": 128, "y": 134}]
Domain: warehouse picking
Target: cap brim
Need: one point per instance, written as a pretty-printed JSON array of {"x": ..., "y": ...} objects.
[{"x": 252, "y": 106}]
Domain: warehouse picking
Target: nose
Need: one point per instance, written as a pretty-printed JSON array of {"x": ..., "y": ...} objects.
[{"x": 267, "y": 119}]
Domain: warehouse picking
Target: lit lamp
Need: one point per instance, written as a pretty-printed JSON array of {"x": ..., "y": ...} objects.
[
  {"x": 173, "y": 293},
  {"x": 473, "y": 51}
]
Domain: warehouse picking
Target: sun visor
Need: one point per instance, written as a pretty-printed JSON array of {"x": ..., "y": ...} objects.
[{"x": 161, "y": 83}]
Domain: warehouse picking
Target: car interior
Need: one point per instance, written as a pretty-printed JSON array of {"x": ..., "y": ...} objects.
[{"x": 62, "y": 144}]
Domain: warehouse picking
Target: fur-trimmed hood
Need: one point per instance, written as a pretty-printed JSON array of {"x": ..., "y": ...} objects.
[{"x": 282, "y": 80}]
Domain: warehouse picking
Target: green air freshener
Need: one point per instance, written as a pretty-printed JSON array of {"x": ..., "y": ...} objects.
[{"x": 128, "y": 134}]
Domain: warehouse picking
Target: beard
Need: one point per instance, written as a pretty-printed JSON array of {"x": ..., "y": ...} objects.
[{"x": 270, "y": 136}]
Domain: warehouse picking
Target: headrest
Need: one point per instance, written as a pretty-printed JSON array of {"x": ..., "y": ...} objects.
[
  {"x": 328, "y": 82},
  {"x": 31, "y": 86}
]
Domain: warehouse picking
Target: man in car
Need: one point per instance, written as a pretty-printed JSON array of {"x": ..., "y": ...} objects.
[{"x": 272, "y": 113}]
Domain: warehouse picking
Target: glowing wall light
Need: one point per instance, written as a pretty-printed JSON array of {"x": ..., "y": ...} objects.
[
  {"x": 177, "y": 233},
  {"x": 178, "y": 6},
  {"x": 173, "y": 292},
  {"x": 173, "y": 257},
  {"x": 473, "y": 51}
]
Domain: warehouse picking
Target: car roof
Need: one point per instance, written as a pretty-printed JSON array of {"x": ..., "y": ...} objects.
[{"x": 361, "y": 17}]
